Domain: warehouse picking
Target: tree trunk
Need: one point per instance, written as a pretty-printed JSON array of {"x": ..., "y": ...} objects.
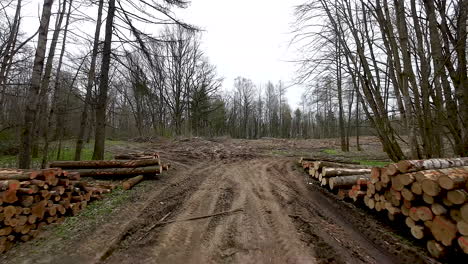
[
  {"x": 33, "y": 94},
  {"x": 100, "y": 133},
  {"x": 89, "y": 85}
]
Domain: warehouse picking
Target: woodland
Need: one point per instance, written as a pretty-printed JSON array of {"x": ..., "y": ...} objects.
[{"x": 394, "y": 69}]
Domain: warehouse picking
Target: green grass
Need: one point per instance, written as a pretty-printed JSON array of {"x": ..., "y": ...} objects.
[
  {"x": 331, "y": 151},
  {"x": 67, "y": 153},
  {"x": 93, "y": 213}
]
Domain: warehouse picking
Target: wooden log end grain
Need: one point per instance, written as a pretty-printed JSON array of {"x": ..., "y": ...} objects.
[{"x": 436, "y": 249}]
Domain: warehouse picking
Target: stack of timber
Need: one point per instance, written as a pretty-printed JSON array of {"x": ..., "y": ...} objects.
[
  {"x": 135, "y": 165},
  {"x": 431, "y": 196},
  {"x": 31, "y": 199},
  {"x": 348, "y": 179}
]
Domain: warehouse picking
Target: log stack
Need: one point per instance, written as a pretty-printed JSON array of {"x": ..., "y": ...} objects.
[
  {"x": 430, "y": 196},
  {"x": 347, "y": 179},
  {"x": 124, "y": 166},
  {"x": 31, "y": 199}
]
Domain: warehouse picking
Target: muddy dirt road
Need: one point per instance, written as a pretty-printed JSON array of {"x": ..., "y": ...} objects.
[{"x": 270, "y": 213}]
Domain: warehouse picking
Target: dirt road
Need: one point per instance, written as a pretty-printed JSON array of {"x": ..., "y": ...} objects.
[{"x": 270, "y": 214}]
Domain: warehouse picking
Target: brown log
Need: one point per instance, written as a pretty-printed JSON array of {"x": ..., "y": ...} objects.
[
  {"x": 39, "y": 209},
  {"x": 456, "y": 178},
  {"x": 409, "y": 222},
  {"x": 384, "y": 177},
  {"x": 375, "y": 174},
  {"x": 462, "y": 227},
  {"x": 371, "y": 203},
  {"x": 436, "y": 249},
  {"x": 9, "y": 185},
  {"x": 424, "y": 213},
  {"x": 105, "y": 164},
  {"x": 455, "y": 214},
  {"x": 444, "y": 230},
  {"x": 8, "y": 196},
  {"x": 463, "y": 243},
  {"x": 404, "y": 210},
  {"x": 464, "y": 212},
  {"x": 413, "y": 213},
  {"x": 20, "y": 175},
  {"x": 428, "y": 199},
  {"x": 128, "y": 184},
  {"x": 116, "y": 172},
  {"x": 416, "y": 188},
  {"x": 428, "y": 164},
  {"x": 331, "y": 172},
  {"x": 438, "y": 209},
  {"x": 348, "y": 181},
  {"x": 457, "y": 196},
  {"x": 419, "y": 232},
  {"x": 407, "y": 194},
  {"x": 321, "y": 164}
]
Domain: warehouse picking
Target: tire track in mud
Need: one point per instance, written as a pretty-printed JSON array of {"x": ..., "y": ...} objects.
[{"x": 283, "y": 221}]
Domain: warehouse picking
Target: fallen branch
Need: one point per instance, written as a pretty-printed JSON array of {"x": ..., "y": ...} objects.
[{"x": 195, "y": 218}]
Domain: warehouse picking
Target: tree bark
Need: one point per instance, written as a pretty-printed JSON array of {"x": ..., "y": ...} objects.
[
  {"x": 24, "y": 161},
  {"x": 100, "y": 133}
]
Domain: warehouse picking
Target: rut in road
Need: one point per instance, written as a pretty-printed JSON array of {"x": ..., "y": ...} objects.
[{"x": 279, "y": 223}]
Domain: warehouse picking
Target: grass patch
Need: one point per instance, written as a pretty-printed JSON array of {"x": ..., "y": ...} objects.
[
  {"x": 67, "y": 153},
  {"x": 373, "y": 163},
  {"x": 93, "y": 212},
  {"x": 331, "y": 151}
]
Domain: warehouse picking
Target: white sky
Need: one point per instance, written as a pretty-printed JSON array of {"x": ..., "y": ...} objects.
[{"x": 248, "y": 38}]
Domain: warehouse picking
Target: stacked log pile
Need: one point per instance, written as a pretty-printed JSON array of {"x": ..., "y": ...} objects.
[
  {"x": 430, "y": 196},
  {"x": 347, "y": 179},
  {"x": 31, "y": 199},
  {"x": 135, "y": 165}
]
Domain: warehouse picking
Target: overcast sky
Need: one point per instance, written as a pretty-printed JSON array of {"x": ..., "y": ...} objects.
[{"x": 248, "y": 38}]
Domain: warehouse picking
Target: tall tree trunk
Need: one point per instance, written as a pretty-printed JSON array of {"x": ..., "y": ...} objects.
[
  {"x": 40, "y": 117},
  {"x": 24, "y": 159},
  {"x": 89, "y": 85},
  {"x": 100, "y": 133},
  {"x": 45, "y": 151}
]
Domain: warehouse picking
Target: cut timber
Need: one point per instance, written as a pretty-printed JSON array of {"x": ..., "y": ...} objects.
[
  {"x": 375, "y": 174},
  {"x": 419, "y": 232},
  {"x": 330, "y": 172},
  {"x": 454, "y": 179},
  {"x": 444, "y": 230},
  {"x": 119, "y": 171},
  {"x": 418, "y": 165},
  {"x": 9, "y": 185},
  {"x": 424, "y": 213},
  {"x": 20, "y": 175},
  {"x": 348, "y": 181},
  {"x": 463, "y": 243},
  {"x": 464, "y": 212},
  {"x": 436, "y": 249},
  {"x": 410, "y": 222},
  {"x": 462, "y": 227},
  {"x": 128, "y": 184},
  {"x": 105, "y": 164},
  {"x": 416, "y": 188},
  {"x": 321, "y": 164},
  {"x": 457, "y": 196},
  {"x": 407, "y": 194},
  {"x": 438, "y": 209}
]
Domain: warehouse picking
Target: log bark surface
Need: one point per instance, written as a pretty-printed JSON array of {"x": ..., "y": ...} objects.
[
  {"x": 105, "y": 164},
  {"x": 128, "y": 184},
  {"x": 115, "y": 172}
]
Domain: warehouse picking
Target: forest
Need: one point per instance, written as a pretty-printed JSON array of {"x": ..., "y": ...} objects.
[{"x": 393, "y": 69}]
